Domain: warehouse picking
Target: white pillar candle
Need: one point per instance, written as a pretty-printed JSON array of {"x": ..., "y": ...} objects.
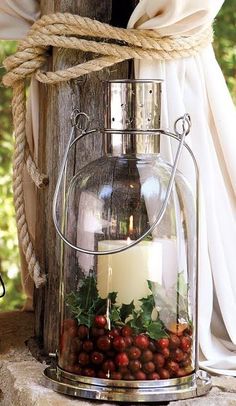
[{"x": 127, "y": 272}]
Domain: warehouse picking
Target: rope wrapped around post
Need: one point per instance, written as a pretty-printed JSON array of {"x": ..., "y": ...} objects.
[{"x": 112, "y": 44}]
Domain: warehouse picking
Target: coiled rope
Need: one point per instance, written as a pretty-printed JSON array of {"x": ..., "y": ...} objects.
[{"x": 74, "y": 32}]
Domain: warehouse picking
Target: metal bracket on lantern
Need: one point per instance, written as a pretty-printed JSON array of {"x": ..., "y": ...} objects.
[{"x": 178, "y": 136}]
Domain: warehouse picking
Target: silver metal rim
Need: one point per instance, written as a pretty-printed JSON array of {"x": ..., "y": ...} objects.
[
  {"x": 127, "y": 384},
  {"x": 199, "y": 385}
]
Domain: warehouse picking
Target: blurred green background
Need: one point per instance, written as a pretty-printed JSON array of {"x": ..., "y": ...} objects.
[{"x": 224, "y": 44}]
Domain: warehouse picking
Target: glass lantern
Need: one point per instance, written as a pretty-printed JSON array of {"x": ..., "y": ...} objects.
[{"x": 128, "y": 300}]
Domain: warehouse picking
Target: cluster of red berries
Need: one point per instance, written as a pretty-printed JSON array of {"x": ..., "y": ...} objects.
[{"x": 119, "y": 354}]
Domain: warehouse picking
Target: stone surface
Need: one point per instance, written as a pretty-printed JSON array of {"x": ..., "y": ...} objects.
[{"x": 21, "y": 381}]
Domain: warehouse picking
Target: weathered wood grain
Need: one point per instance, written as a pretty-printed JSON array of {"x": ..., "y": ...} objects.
[{"x": 56, "y": 103}]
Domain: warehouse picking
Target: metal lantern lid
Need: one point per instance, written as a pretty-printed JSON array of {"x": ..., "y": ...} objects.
[{"x": 132, "y": 106}]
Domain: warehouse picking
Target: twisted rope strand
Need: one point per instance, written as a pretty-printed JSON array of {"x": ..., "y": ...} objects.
[
  {"x": 19, "y": 114},
  {"x": 74, "y": 32}
]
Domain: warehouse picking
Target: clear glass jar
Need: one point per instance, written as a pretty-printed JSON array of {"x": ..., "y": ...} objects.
[{"x": 129, "y": 316}]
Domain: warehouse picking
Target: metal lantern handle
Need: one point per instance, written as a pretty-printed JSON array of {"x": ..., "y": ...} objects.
[
  {"x": 76, "y": 118},
  {"x": 3, "y": 287}
]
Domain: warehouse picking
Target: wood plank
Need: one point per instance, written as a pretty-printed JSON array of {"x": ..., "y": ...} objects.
[{"x": 56, "y": 103}]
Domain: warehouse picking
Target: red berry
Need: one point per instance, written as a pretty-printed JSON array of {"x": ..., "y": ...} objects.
[
  {"x": 152, "y": 346},
  {"x": 135, "y": 365},
  {"x": 108, "y": 366},
  {"x": 162, "y": 343},
  {"x": 72, "y": 332},
  {"x": 119, "y": 343},
  {"x": 102, "y": 375},
  {"x": 70, "y": 369},
  {"x": 189, "y": 330},
  {"x": 147, "y": 355},
  {"x": 71, "y": 359},
  {"x": 165, "y": 352},
  {"x": 100, "y": 321},
  {"x": 140, "y": 376},
  {"x": 174, "y": 341},
  {"x": 126, "y": 331},
  {"x": 89, "y": 372},
  {"x": 116, "y": 375},
  {"x": 153, "y": 376},
  {"x": 128, "y": 377},
  {"x": 128, "y": 341},
  {"x": 83, "y": 331},
  {"x": 65, "y": 341},
  {"x": 69, "y": 323},
  {"x": 88, "y": 346},
  {"x": 111, "y": 354},
  {"x": 164, "y": 373},
  {"x": 172, "y": 367},
  {"x": 180, "y": 373},
  {"x": 97, "y": 358},
  {"x": 97, "y": 332},
  {"x": 177, "y": 355},
  {"x": 77, "y": 370},
  {"x": 159, "y": 360},
  {"x": 104, "y": 343},
  {"x": 115, "y": 332},
  {"x": 76, "y": 345},
  {"x": 141, "y": 341},
  {"x": 123, "y": 370},
  {"x": 149, "y": 367},
  {"x": 83, "y": 358},
  {"x": 122, "y": 359},
  {"x": 185, "y": 357},
  {"x": 186, "y": 363},
  {"x": 134, "y": 353},
  {"x": 185, "y": 344}
]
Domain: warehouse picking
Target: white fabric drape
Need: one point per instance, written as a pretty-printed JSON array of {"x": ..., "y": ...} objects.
[{"x": 196, "y": 85}]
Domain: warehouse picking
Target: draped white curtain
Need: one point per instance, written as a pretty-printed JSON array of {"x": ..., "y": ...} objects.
[{"x": 194, "y": 85}]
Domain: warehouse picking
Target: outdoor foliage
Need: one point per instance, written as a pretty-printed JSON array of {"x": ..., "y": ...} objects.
[
  {"x": 224, "y": 45},
  {"x": 9, "y": 260},
  {"x": 225, "y": 28}
]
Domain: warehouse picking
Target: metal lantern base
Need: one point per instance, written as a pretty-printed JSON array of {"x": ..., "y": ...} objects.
[{"x": 196, "y": 384}]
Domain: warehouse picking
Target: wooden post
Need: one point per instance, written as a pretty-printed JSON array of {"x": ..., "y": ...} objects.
[{"x": 56, "y": 104}]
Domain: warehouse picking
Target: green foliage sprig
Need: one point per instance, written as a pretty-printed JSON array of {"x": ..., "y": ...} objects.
[{"x": 85, "y": 304}]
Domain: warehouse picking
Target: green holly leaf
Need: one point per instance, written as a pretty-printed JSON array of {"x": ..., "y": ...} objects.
[
  {"x": 126, "y": 311},
  {"x": 81, "y": 303},
  {"x": 136, "y": 322},
  {"x": 146, "y": 309},
  {"x": 149, "y": 284},
  {"x": 99, "y": 306},
  {"x": 86, "y": 319},
  {"x": 112, "y": 296},
  {"x": 156, "y": 330},
  {"x": 88, "y": 292},
  {"x": 114, "y": 315}
]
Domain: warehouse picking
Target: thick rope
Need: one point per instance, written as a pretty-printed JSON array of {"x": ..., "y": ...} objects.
[
  {"x": 74, "y": 32},
  {"x": 19, "y": 111}
]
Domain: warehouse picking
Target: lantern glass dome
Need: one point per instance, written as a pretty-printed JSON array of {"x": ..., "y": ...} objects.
[{"x": 128, "y": 299}]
